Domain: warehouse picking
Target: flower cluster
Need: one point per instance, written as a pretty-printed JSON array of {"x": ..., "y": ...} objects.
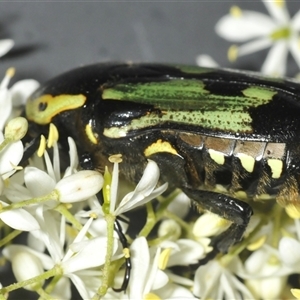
[{"x": 73, "y": 239}]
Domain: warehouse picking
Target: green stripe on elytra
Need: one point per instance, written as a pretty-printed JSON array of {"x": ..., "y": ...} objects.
[{"x": 188, "y": 102}]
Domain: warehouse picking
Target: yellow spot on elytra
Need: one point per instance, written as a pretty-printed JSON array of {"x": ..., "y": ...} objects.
[
  {"x": 247, "y": 162},
  {"x": 217, "y": 156},
  {"x": 53, "y": 135},
  {"x": 257, "y": 243},
  {"x": 126, "y": 252},
  {"x": 42, "y": 146},
  {"x": 90, "y": 134},
  {"x": 160, "y": 146},
  {"x": 164, "y": 258},
  {"x": 235, "y": 11},
  {"x": 293, "y": 211},
  {"x": 276, "y": 166},
  {"x": 232, "y": 53}
]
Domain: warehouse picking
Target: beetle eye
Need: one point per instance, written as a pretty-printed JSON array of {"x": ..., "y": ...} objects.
[{"x": 42, "y": 106}]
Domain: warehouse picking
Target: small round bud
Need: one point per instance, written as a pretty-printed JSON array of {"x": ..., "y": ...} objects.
[{"x": 16, "y": 129}]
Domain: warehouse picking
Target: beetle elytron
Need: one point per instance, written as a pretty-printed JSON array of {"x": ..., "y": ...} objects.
[{"x": 203, "y": 127}]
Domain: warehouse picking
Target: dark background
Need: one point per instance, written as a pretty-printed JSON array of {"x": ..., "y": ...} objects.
[{"x": 54, "y": 36}]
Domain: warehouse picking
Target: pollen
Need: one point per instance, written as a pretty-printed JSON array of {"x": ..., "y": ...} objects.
[
  {"x": 235, "y": 11},
  {"x": 232, "y": 53}
]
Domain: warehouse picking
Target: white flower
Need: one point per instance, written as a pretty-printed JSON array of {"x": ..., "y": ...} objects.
[
  {"x": 268, "y": 279},
  {"x": 15, "y": 96},
  {"x": 144, "y": 192},
  {"x": 213, "y": 281},
  {"x": 76, "y": 262},
  {"x": 5, "y": 46},
  {"x": 260, "y": 31}
]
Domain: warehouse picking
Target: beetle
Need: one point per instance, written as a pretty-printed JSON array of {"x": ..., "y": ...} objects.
[{"x": 205, "y": 128}]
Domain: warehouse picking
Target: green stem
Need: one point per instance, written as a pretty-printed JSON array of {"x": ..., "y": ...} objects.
[
  {"x": 151, "y": 221},
  {"x": 43, "y": 294},
  {"x": 62, "y": 209},
  {"x": 9, "y": 237},
  {"x": 51, "y": 196},
  {"x": 110, "y": 220},
  {"x": 56, "y": 270}
]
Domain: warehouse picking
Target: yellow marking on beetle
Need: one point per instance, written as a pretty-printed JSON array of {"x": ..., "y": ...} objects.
[
  {"x": 53, "y": 135},
  {"x": 41, "y": 110},
  {"x": 42, "y": 146},
  {"x": 241, "y": 195},
  {"x": 276, "y": 166},
  {"x": 247, "y": 162},
  {"x": 160, "y": 146},
  {"x": 263, "y": 197},
  {"x": 217, "y": 156},
  {"x": 90, "y": 134}
]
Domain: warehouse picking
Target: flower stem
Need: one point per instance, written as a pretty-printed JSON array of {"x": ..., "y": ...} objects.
[
  {"x": 9, "y": 237},
  {"x": 110, "y": 219},
  {"x": 51, "y": 196},
  {"x": 151, "y": 221},
  {"x": 56, "y": 270},
  {"x": 62, "y": 209}
]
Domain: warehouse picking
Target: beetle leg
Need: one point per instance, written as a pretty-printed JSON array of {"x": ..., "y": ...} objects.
[
  {"x": 126, "y": 251},
  {"x": 236, "y": 211}
]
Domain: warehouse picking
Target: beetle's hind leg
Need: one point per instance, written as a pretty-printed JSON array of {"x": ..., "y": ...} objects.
[{"x": 236, "y": 211}]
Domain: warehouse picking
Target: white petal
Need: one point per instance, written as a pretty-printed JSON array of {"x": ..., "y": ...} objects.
[
  {"x": 21, "y": 90},
  {"x": 160, "y": 280},
  {"x": 248, "y": 26},
  {"x": 173, "y": 291},
  {"x": 277, "y": 10},
  {"x": 5, "y": 46},
  {"x": 205, "y": 60},
  {"x": 79, "y": 186},
  {"x": 289, "y": 250},
  {"x": 10, "y": 155},
  {"x": 92, "y": 255},
  {"x": 209, "y": 224},
  {"x": 140, "y": 260},
  {"x": 294, "y": 47},
  {"x": 275, "y": 63},
  {"x": 254, "y": 46},
  {"x": 25, "y": 266},
  {"x": 206, "y": 279},
  {"x": 131, "y": 200},
  {"x": 149, "y": 179},
  {"x": 180, "y": 206},
  {"x": 19, "y": 219},
  {"x": 190, "y": 253},
  {"x": 62, "y": 289},
  {"x": 5, "y": 106},
  {"x": 296, "y": 21},
  {"x": 38, "y": 182},
  {"x": 80, "y": 286}
]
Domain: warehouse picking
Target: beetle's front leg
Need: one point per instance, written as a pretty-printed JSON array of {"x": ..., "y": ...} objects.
[{"x": 236, "y": 211}]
